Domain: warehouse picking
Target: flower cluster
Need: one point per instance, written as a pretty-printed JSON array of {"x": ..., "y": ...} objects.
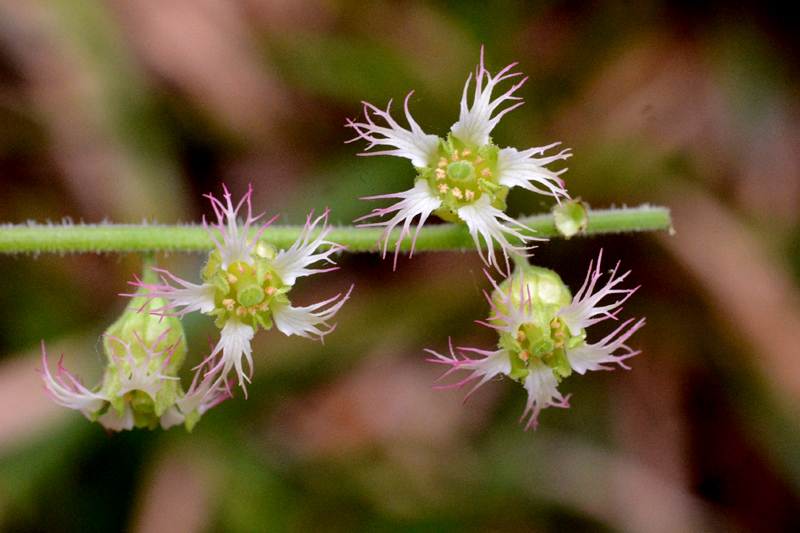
[
  {"x": 463, "y": 177},
  {"x": 542, "y": 331},
  {"x": 245, "y": 286}
]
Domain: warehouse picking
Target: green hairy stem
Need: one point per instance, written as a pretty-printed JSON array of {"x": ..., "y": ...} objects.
[{"x": 81, "y": 238}]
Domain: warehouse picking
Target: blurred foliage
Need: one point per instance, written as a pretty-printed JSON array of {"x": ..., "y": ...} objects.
[{"x": 128, "y": 111}]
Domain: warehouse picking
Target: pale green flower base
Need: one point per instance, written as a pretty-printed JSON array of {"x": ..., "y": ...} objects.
[{"x": 66, "y": 238}]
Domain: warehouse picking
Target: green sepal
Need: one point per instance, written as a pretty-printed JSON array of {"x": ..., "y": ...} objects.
[
  {"x": 508, "y": 342},
  {"x": 265, "y": 250},
  {"x": 167, "y": 395},
  {"x": 265, "y": 323},
  {"x": 222, "y": 317},
  {"x": 112, "y": 384},
  {"x": 559, "y": 363},
  {"x": 191, "y": 420},
  {"x": 219, "y": 281},
  {"x": 489, "y": 152},
  {"x": 490, "y": 188},
  {"x": 212, "y": 265},
  {"x": 519, "y": 370},
  {"x": 262, "y": 268}
]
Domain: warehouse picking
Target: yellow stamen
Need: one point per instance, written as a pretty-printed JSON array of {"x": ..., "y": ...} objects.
[
  {"x": 486, "y": 172},
  {"x": 232, "y": 278},
  {"x": 521, "y": 336},
  {"x": 263, "y": 306},
  {"x": 457, "y": 193},
  {"x": 525, "y": 355},
  {"x": 465, "y": 153},
  {"x": 478, "y": 160},
  {"x": 270, "y": 291},
  {"x": 240, "y": 311},
  {"x": 440, "y": 174},
  {"x": 442, "y": 188},
  {"x": 442, "y": 162},
  {"x": 228, "y": 303},
  {"x": 469, "y": 194},
  {"x": 454, "y": 157},
  {"x": 251, "y": 309}
]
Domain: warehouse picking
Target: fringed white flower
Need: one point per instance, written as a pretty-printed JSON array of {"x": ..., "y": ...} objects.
[
  {"x": 191, "y": 297},
  {"x": 413, "y": 144},
  {"x": 420, "y": 200},
  {"x": 70, "y": 392},
  {"x": 293, "y": 263},
  {"x": 245, "y": 287},
  {"x": 596, "y": 356},
  {"x": 305, "y": 321},
  {"x": 476, "y": 123},
  {"x": 142, "y": 375},
  {"x": 463, "y": 177},
  {"x": 542, "y": 387},
  {"x": 584, "y": 310},
  {"x": 236, "y": 246},
  {"x": 538, "y": 346}
]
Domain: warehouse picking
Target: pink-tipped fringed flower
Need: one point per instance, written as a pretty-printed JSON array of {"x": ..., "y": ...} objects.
[
  {"x": 543, "y": 336},
  {"x": 245, "y": 285},
  {"x": 464, "y": 178}
]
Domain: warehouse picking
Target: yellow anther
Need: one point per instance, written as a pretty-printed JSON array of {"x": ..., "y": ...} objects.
[
  {"x": 228, "y": 303},
  {"x": 232, "y": 278},
  {"x": 457, "y": 193},
  {"x": 554, "y": 324},
  {"x": 251, "y": 309},
  {"x": 442, "y": 162},
  {"x": 478, "y": 160},
  {"x": 442, "y": 188},
  {"x": 241, "y": 268},
  {"x": 454, "y": 157},
  {"x": 263, "y": 306},
  {"x": 548, "y": 355},
  {"x": 440, "y": 174},
  {"x": 559, "y": 344},
  {"x": 465, "y": 153},
  {"x": 469, "y": 194},
  {"x": 240, "y": 311},
  {"x": 525, "y": 355},
  {"x": 521, "y": 336},
  {"x": 486, "y": 172},
  {"x": 560, "y": 334},
  {"x": 270, "y": 291}
]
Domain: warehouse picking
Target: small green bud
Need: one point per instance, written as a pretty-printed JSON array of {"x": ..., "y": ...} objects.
[{"x": 571, "y": 217}]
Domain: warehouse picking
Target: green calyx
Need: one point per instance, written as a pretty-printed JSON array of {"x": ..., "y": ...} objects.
[
  {"x": 246, "y": 291},
  {"x": 462, "y": 175},
  {"x": 544, "y": 336}
]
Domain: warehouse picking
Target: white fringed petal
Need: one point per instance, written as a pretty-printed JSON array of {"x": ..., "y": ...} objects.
[
  {"x": 420, "y": 200},
  {"x": 584, "y": 309},
  {"x": 484, "y": 220},
  {"x": 305, "y": 321},
  {"x": 521, "y": 169},
  {"x": 476, "y": 123},
  {"x": 413, "y": 144},
  {"x": 542, "y": 387},
  {"x": 293, "y": 263}
]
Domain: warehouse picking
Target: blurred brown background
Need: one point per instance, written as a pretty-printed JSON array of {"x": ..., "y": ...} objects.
[{"x": 131, "y": 109}]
